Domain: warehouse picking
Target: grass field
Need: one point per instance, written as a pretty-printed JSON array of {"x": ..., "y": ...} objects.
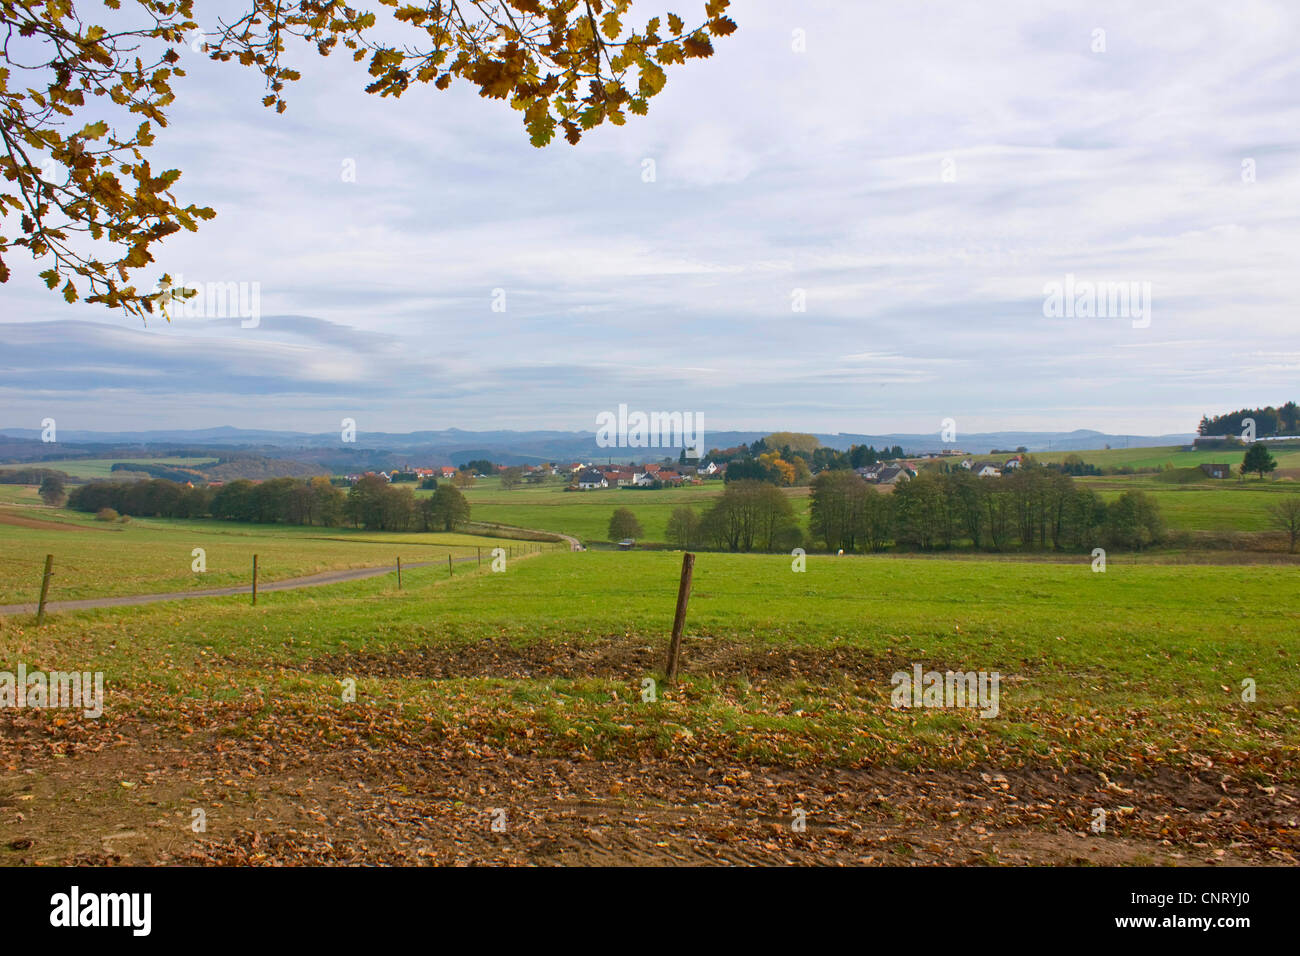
[
  {"x": 1174, "y": 456},
  {"x": 97, "y": 559},
  {"x": 1121, "y": 690},
  {"x": 102, "y": 467},
  {"x": 1225, "y": 505},
  {"x": 586, "y": 514}
]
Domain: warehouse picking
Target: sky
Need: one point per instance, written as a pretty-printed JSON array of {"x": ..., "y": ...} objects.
[{"x": 856, "y": 217}]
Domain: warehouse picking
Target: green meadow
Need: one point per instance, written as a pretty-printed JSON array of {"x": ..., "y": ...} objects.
[
  {"x": 103, "y": 559},
  {"x": 1173, "y": 456},
  {"x": 1139, "y": 666}
]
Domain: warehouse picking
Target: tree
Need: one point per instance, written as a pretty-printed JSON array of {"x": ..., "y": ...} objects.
[
  {"x": 75, "y": 163},
  {"x": 365, "y": 502},
  {"x": 1133, "y": 521},
  {"x": 326, "y": 504},
  {"x": 463, "y": 479},
  {"x": 51, "y": 491},
  {"x": 684, "y": 527},
  {"x": 512, "y": 477},
  {"x": 1257, "y": 459},
  {"x": 921, "y": 514},
  {"x": 449, "y": 508},
  {"x": 836, "y": 508},
  {"x": 1285, "y": 516},
  {"x": 748, "y": 515},
  {"x": 784, "y": 471},
  {"x": 747, "y": 469},
  {"x": 876, "y": 522},
  {"x": 623, "y": 524}
]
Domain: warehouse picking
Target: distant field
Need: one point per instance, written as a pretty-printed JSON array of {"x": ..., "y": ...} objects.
[
  {"x": 102, "y": 467},
  {"x": 1173, "y": 455},
  {"x": 585, "y": 514},
  {"x": 1224, "y": 505}
]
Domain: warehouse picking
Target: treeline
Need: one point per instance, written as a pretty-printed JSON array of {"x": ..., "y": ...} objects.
[
  {"x": 31, "y": 476},
  {"x": 1284, "y": 420},
  {"x": 372, "y": 503},
  {"x": 148, "y": 498},
  {"x": 1033, "y": 508},
  {"x": 170, "y": 472}
]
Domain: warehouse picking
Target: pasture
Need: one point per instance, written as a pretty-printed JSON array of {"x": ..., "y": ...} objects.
[
  {"x": 96, "y": 559},
  {"x": 524, "y": 694}
]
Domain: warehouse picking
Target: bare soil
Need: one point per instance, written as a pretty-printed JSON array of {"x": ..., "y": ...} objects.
[{"x": 101, "y": 794}]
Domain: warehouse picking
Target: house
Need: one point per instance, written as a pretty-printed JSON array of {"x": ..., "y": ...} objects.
[
  {"x": 709, "y": 468},
  {"x": 1012, "y": 462},
  {"x": 988, "y": 470},
  {"x": 644, "y": 480},
  {"x": 448, "y": 471},
  {"x": 967, "y": 463},
  {"x": 653, "y": 469},
  {"x": 891, "y": 474},
  {"x": 590, "y": 480},
  {"x": 1217, "y": 471}
]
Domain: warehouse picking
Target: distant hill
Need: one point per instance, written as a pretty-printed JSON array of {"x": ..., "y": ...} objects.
[{"x": 386, "y": 450}]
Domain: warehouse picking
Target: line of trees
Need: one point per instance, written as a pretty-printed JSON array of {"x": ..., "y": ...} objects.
[
  {"x": 371, "y": 503},
  {"x": 1033, "y": 508},
  {"x": 1284, "y": 420}
]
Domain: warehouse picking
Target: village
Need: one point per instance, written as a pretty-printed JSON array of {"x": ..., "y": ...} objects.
[{"x": 590, "y": 476}]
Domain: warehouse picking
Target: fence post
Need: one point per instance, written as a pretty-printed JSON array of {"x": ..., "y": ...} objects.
[
  {"x": 450, "y": 572},
  {"x": 254, "y": 580},
  {"x": 399, "y": 572},
  {"x": 479, "y": 552},
  {"x": 679, "y": 619},
  {"x": 45, "y": 589}
]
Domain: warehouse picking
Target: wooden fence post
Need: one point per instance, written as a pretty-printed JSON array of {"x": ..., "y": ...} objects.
[
  {"x": 254, "y": 580},
  {"x": 679, "y": 619},
  {"x": 399, "y": 572},
  {"x": 45, "y": 589},
  {"x": 479, "y": 552},
  {"x": 450, "y": 572}
]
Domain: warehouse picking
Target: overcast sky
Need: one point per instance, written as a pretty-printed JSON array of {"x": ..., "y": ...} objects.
[{"x": 921, "y": 171}]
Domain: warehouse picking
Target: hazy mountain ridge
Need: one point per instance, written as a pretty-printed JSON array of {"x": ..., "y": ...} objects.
[{"x": 385, "y": 450}]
